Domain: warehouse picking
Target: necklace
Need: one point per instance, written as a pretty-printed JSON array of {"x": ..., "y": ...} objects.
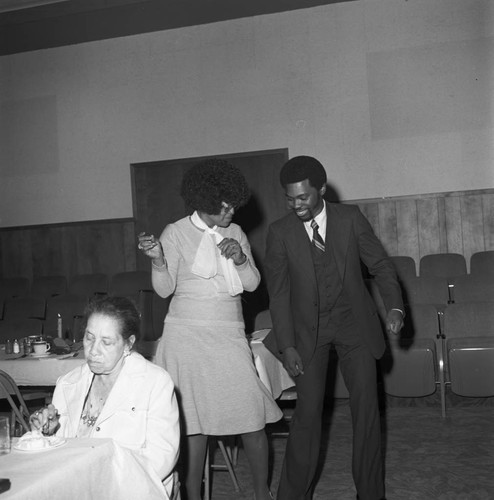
[{"x": 93, "y": 404}]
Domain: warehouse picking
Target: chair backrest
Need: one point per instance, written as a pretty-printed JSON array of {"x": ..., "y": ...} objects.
[
  {"x": 405, "y": 267},
  {"x": 49, "y": 286},
  {"x": 472, "y": 288},
  {"x": 14, "y": 287},
  {"x": 160, "y": 310},
  {"x": 89, "y": 285},
  {"x": 9, "y": 391},
  {"x": 68, "y": 306},
  {"x": 482, "y": 263},
  {"x": 445, "y": 265},
  {"x": 129, "y": 283},
  {"x": 19, "y": 328},
  {"x": 426, "y": 290},
  {"x": 469, "y": 319},
  {"x": 24, "y": 307},
  {"x": 421, "y": 322}
]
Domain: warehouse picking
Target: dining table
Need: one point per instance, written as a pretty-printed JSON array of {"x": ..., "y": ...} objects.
[
  {"x": 269, "y": 368},
  {"x": 29, "y": 370},
  {"x": 79, "y": 469}
]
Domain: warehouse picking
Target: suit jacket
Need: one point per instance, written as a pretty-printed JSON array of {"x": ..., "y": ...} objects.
[
  {"x": 140, "y": 414},
  {"x": 292, "y": 287}
]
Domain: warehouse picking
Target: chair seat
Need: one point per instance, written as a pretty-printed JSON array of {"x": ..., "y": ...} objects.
[
  {"x": 408, "y": 368},
  {"x": 471, "y": 366}
]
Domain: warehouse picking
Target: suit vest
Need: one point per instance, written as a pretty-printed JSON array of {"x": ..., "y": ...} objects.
[{"x": 329, "y": 285}]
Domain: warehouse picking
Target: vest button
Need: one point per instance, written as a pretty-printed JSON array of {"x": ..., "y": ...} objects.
[{"x": 98, "y": 429}]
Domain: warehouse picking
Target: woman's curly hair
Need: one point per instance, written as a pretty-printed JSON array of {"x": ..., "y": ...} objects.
[{"x": 207, "y": 184}]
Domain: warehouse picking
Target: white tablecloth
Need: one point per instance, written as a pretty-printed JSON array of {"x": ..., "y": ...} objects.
[
  {"x": 81, "y": 469},
  {"x": 41, "y": 371},
  {"x": 270, "y": 370}
]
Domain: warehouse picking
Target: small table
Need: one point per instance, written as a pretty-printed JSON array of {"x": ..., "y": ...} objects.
[{"x": 80, "y": 469}]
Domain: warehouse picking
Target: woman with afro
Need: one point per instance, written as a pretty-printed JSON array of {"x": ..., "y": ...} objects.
[{"x": 205, "y": 261}]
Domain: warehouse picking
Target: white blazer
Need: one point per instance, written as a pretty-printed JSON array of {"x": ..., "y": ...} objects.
[{"x": 140, "y": 414}]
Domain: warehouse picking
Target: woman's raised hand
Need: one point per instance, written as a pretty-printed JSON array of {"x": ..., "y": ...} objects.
[
  {"x": 151, "y": 247},
  {"x": 45, "y": 420}
]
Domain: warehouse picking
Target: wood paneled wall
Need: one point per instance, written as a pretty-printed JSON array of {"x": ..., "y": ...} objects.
[
  {"x": 68, "y": 249},
  {"x": 460, "y": 222}
]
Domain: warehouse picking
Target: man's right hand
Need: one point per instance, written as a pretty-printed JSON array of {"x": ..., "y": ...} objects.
[{"x": 293, "y": 362}]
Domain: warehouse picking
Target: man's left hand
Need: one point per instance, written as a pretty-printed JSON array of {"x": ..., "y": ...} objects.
[{"x": 394, "y": 321}]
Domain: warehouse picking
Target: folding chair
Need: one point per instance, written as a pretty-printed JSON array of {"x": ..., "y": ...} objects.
[
  {"x": 129, "y": 283},
  {"x": 405, "y": 267},
  {"x": 469, "y": 331},
  {"x": 472, "y": 288},
  {"x": 89, "y": 285},
  {"x": 410, "y": 365},
  {"x": 229, "y": 457},
  {"x": 482, "y": 263},
  {"x": 444, "y": 265},
  {"x": 24, "y": 307},
  {"x": 17, "y": 400},
  {"x": 427, "y": 290},
  {"x": 65, "y": 307},
  {"x": 49, "y": 286},
  {"x": 14, "y": 287}
]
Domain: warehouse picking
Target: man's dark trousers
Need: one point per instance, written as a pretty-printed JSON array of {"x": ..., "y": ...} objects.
[{"x": 358, "y": 368}]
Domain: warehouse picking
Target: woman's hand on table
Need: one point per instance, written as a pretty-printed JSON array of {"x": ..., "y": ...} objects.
[{"x": 45, "y": 420}]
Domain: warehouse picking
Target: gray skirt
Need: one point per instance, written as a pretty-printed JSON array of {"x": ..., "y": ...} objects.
[{"x": 218, "y": 389}]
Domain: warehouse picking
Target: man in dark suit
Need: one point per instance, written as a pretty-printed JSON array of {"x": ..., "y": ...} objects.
[{"x": 318, "y": 299}]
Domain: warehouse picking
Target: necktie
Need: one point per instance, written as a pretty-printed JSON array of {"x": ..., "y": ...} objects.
[{"x": 317, "y": 240}]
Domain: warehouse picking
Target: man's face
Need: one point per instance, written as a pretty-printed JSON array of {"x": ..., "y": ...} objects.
[{"x": 305, "y": 200}]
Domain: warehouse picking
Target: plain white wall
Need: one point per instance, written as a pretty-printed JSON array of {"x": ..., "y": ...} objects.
[{"x": 394, "y": 97}]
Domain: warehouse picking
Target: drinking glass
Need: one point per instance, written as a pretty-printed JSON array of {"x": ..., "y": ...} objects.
[{"x": 4, "y": 435}]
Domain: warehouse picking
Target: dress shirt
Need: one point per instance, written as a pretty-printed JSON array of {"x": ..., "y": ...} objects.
[{"x": 321, "y": 220}]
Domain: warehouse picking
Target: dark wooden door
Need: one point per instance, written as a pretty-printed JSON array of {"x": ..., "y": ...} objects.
[{"x": 157, "y": 202}]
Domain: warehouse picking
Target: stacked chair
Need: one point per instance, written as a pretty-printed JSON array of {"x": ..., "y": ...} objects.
[{"x": 35, "y": 308}]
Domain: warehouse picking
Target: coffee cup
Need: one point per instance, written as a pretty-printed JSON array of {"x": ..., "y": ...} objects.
[{"x": 40, "y": 347}]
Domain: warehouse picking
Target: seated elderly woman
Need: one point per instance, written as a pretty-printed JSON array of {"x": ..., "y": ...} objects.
[{"x": 117, "y": 394}]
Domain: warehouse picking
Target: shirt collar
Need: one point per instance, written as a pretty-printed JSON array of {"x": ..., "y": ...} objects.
[{"x": 321, "y": 220}]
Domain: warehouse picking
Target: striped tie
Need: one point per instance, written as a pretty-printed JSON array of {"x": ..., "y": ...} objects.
[{"x": 317, "y": 241}]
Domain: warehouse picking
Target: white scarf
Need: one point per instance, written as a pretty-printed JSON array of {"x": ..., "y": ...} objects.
[{"x": 205, "y": 259}]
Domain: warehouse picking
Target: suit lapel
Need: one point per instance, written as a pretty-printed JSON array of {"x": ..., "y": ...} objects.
[
  {"x": 337, "y": 237},
  {"x": 302, "y": 245}
]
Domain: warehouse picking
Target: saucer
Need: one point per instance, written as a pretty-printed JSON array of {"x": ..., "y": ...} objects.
[{"x": 42, "y": 355}]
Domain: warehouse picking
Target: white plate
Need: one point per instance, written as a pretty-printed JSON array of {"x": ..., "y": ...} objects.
[
  {"x": 43, "y": 355},
  {"x": 54, "y": 442}
]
